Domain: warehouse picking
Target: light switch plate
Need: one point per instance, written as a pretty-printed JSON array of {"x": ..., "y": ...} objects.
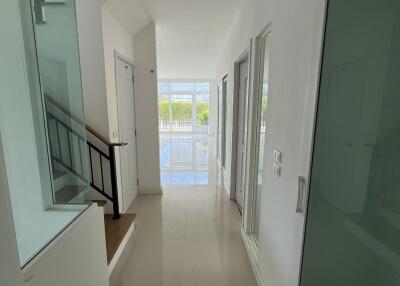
[
  {"x": 277, "y": 169},
  {"x": 277, "y": 156}
]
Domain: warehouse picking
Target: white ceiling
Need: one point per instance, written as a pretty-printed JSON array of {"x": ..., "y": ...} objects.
[
  {"x": 129, "y": 13},
  {"x": 190, "y": 33}
]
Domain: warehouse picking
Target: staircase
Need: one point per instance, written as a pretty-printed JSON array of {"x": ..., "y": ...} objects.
[{"x": 72, "y": 173}]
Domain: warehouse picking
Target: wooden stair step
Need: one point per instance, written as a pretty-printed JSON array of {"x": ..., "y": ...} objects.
[{"x": 116, "y": 229}]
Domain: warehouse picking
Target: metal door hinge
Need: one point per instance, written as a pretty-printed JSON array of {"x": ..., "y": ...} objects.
[{"x": 137, "y": 182}]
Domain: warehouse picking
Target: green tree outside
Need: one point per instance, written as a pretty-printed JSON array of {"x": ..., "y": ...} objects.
[{"x": 183, "y": 111}]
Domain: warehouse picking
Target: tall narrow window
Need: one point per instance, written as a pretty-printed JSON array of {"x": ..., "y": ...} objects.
[{"x": 264, "y": 44}]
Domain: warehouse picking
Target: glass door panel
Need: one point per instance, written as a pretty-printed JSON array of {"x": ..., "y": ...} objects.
[
  {"x": 353, "y": 221},
  {"x": 181, "y": 113},
  {"x": 202, "y": 110},
  {"x": 164, "y": 113}
]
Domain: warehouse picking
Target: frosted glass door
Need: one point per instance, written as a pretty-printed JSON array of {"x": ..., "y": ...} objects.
[{"x": 353, "y": 222}]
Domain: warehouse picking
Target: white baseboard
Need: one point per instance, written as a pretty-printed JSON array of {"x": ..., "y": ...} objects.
[
  {"x": 252, "y": 257},
  {"x": 151, "y": 191},
  {"x": 227, "y": 184}
]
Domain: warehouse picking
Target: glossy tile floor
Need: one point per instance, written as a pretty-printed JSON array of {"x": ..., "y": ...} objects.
[
  {"x": 188, "y": 236},
  {"x": 184, "y": 159}
]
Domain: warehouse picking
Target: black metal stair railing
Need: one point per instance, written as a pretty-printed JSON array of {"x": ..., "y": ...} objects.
[{"x": 67, "y": 159}]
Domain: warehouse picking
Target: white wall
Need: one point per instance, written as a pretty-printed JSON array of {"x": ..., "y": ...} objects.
[
  {"x": 9, "y": 261},
  {"x": 145, "y": 70},
  {"x": 141, "y": 51},
  {"x": 213, "y": 110},
  {"x": 296, "y": 41},
  {"x": 77, "y": 258},
  {"x": 115, "y": 37},
  {"x": 90, "y": 33}
]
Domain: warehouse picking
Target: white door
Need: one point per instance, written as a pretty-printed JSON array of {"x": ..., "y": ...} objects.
[
  {"x": 127, "y": 132},
  {"x": 242, "y": 123}
]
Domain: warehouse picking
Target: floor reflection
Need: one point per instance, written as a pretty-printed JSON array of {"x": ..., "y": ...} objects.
[
  {"x": 184, "y": 159},
  {"x": 188, "y": 236}
]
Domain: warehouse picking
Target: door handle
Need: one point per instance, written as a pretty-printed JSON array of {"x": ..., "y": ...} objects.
[{"x": 301, "y": 184}]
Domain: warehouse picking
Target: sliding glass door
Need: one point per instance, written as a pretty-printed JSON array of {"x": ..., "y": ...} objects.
[{"x": 353, "y": 222}]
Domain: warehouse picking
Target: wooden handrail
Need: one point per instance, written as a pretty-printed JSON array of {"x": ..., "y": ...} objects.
[
  {"x": 80, "y": 122},
  {"x": 102, "y": 138}
]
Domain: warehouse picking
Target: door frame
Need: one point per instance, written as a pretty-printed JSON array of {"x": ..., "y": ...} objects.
[
  {"x": 220, "y": 114},
  {"x": 254, "y": 118},
  {"x": 119, "y": 56},
  {"x": 218, "y": 144},
  {"x": 246, "y": 54}
]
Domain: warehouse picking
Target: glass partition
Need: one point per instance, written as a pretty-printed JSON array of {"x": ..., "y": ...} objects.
[
  {"x": 59, "y": 69},
  {"x": 42, "y": 129},
  {"x": 353, "y": 221}
]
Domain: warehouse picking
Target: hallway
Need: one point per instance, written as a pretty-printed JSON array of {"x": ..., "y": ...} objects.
[
  {"x": 188, "y": 236},
  {"x": 184, "y": 159}
]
